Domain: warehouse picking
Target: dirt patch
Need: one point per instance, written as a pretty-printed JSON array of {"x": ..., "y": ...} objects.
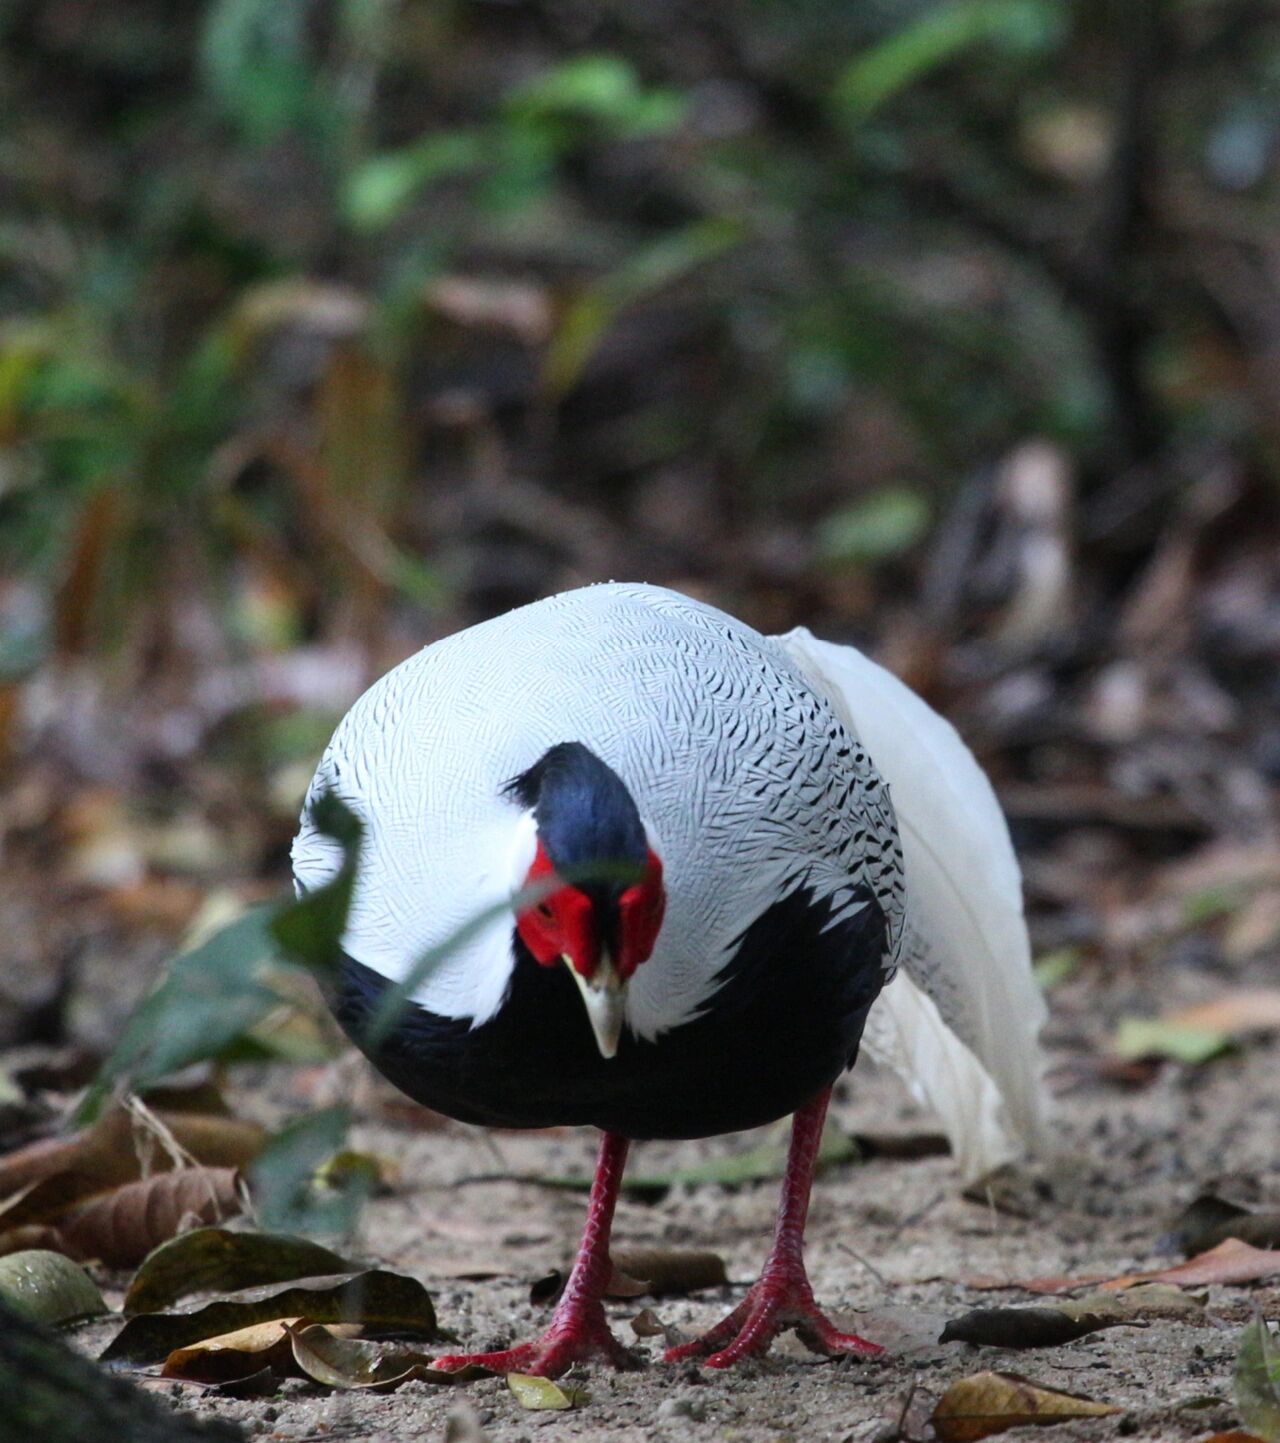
[{"x": 892, "y": 1246}]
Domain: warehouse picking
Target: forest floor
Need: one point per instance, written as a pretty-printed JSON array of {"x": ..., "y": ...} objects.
[{"x": 894, "y": 1249}]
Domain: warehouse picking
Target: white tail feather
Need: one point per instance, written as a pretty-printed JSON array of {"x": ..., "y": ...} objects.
[{"x": 962, "y": 1027}]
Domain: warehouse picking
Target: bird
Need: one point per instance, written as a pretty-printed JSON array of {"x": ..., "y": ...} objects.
[{"x": 671, "y": 874}]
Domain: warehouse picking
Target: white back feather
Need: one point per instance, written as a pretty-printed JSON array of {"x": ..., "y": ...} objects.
[{"x": 962, "y": 1026}]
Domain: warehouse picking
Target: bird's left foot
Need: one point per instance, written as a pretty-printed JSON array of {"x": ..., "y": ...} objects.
[{"x": 774, "y": 1305}]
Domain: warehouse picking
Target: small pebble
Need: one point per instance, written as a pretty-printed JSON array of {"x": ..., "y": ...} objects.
[{"x": 671, "y": 1409}]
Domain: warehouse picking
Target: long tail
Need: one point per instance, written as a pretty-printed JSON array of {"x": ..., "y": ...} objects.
[{"x": 961, "y": 1022}]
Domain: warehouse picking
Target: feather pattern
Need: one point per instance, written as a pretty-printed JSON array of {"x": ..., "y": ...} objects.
[
  {"x": 962, "y": 1026},
  {"x": 747, "y": 780}
]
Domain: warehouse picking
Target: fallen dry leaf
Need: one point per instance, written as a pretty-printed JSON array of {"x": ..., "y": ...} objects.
[
  {"x": 340, "y": 1361},
  {"x": 541, "y": 1393},
  {"x": 377, "y": 1299},
  {"x": 32, "y": 1235},
  {"x": 987, "y": 1283},
  {"x": 233, "y": 1356},
  {"x": 122, "y": 1227},
  {"x": 988, "y": 1403},
  {"x": 1210, "y": 1220},
  {"x": 214, "y": 1259},
  {"x": 46, "y": 1180},
  {"x": 1230, "y": 1262},
  {"x": 1238, "y": 1011},
  {"x": 647, "y": 1324},
  {"x": 662, "y": 1272},
  {"x": 657, "y": 1272}
]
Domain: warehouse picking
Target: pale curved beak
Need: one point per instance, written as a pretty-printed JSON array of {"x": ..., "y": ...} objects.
[{"x": 605, "y": 998}]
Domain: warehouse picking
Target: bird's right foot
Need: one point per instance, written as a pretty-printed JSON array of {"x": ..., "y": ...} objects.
[{"x": 566, "y": 1342}]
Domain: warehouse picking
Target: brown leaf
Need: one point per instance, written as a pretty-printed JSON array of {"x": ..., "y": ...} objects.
[
  {"x": 122, "y": 1227},
  {"x": 658, "y": 1272},
  {"x": 1211, "y": 1220},
  {"x": 339, "y": 1361},
  {"x": 988, "y": 1403},
  {"x": 985, "y": 1283},
  {"x": 1229, "y": 1263},
  {"x": 32, "y": 1235},
  {"x": 46, "y": 1180},
  {"x": 1238, "y": 1011},
  {"x": 663, "y": 1272},
  {"x": 646, "y": 1324},
  {"x": 1204, "y": 1223},
  {"x": 901, "y": 1146},
  {"x": 235, "y": 1355}
]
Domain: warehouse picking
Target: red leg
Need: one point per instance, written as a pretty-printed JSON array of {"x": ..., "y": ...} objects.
[
  {"x": 578, "y": 1331},
  {"x": 782, "y": 1297}
]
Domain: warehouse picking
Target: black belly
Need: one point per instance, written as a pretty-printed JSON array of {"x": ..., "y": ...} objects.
[{"x": 785, "y": 1023}]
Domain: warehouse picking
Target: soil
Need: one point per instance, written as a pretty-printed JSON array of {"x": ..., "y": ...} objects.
[{"x": 893, "y": 1247}]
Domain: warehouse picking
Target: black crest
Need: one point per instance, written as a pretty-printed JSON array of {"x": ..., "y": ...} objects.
[{"x": 582, "y": 807}]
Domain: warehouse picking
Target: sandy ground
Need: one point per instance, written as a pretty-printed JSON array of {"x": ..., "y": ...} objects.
[{"x": 891, "y": 1244}]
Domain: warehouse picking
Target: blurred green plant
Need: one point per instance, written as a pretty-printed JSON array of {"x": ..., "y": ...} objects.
[
  {"x": 939, "y": 35},
  {"x": 218, "y": 351}
]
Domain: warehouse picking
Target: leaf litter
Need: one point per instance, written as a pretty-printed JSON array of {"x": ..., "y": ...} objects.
[
  {"x": 216, "y": 1259},
  {"x": 388, "y": 1302},
  {"x": 984, "y": 1404}
]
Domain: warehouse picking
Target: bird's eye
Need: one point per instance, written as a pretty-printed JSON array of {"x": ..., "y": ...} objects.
[{"x": 544, "y": 910}]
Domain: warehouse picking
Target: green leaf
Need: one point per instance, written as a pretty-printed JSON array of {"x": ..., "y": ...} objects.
[
  {"x": 380, "y": 189},
  {"x": 283, "y": 1183},
  {"x": 216, "y": 1259},
  {"x": 536, "y": 1393},
  {"x": 1152, "y": 1037},
  {"x": 600, "y": 88},
  {"x": 310, "y": 929},
  {"x": 1257, "y": 1381},
  {"x": 254, "y": 63},
  {"x": 210, "y": 997},
  {"x": 1055, "y": 967},
  {"x": 884, "y": 525},
  {"x": 48, "y": 1287},
  {"x": 647, "y": 271},
  {"x": 937, "y": 36}
]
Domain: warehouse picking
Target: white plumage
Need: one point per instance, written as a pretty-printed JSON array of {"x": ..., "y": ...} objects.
[
  {"x": 961, "y": 1026},
  {"x": 731, "y": 757},
  {"x": 756, "y": 762}
]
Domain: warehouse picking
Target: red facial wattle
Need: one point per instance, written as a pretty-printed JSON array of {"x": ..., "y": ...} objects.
[
  {"x": 559, "y": 924},
  {"x": 640, "y": 912},
  {"x": 562, "y": 922}
]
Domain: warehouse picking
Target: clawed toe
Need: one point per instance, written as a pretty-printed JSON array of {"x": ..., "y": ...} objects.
[
  {"x": 754, "y": 1324},
  {"x": 554, "y": 1353}
]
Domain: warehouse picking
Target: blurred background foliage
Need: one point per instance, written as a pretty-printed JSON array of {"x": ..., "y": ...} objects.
[{"x": 328, "y": 326}]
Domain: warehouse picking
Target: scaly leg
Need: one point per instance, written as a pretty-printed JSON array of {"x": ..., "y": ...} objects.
[
  {"x": 782, "y": 1297},
  {"x": 578, "y": 1331}
]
